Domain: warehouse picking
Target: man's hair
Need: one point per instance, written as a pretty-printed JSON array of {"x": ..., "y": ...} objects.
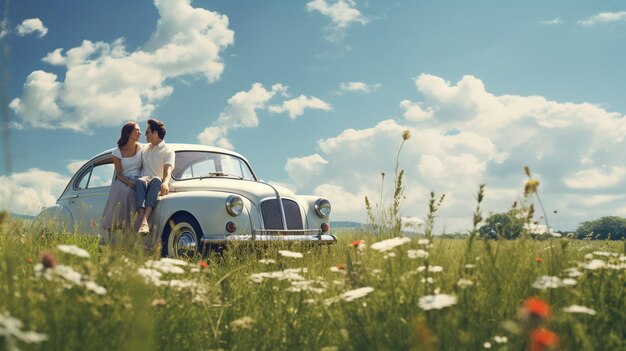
[{"x": 158, "y": 127}]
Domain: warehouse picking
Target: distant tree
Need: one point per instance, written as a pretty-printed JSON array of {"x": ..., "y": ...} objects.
[
  {"x": 603, "y": 228},
  {"x": 502, "y": 225}
]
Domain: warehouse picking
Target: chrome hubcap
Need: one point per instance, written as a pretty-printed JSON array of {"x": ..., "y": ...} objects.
[{"x": 186, "y": 243}]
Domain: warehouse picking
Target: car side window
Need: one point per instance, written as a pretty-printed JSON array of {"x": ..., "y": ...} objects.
[{"x": 99, "y": 174}]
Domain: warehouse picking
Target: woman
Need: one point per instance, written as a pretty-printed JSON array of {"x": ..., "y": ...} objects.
[{"x": 120, "y": 206}]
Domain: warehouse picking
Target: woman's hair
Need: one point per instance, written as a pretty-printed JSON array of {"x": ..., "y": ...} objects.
[
  {"x": 157, "y": 127},
  {"x": 127, "y": 130}
]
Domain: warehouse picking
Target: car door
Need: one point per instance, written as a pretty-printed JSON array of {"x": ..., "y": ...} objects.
[{"x": 88, "y": 194}]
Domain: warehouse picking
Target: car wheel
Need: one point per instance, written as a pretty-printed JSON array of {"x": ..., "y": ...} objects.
[{"x": 181, "y": 237}]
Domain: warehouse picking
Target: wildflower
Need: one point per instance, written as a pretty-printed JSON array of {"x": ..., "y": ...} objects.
[
  {"x": 28, "y": 260},
  {"x": 406, "y": 134},
  {"x": 92, "y": 286},
  {"x": 242, "y": 323},
  {"x": 432, "y": 269},
  {"x": 48, "y": 260},
  {"x": 287, "y": 274},
  {"x": 417, "y": 253},
  {"x": 535, "y": 307},
  {"x": 438, "y": 301},
  {"x": 428, "y": 280},
  {"x": 487, "y": 345},
  {"x": 339, "y": 268},
  {"x": 391, "y": 254},
  {"x": 594, "y": 264},
  {"x": 547, "y": 282},
  {"x": 389, "y": 244},
  {"x": 579, "y": 309},
  {"x": 307, "y": 285},
  {"x": 538, "y": 259},
  {"x": 500, "y": 339},
  {"x": 290, "y": 254},
  {"x": 531, "y": 186},
  {"x": 543, "y": 339},
  {"x": 357, "y": 243},
  {"x": 464, "y": 283},
  {"x": 573, "y": 272},
  {"x": 11, "y": 328},
  {"x": 470, "y": 266},
  {"x": 74, "y": 250},
  {"x": 267, "y": 261},
  {"x": 173, "y": 261},
  {"x": 568, "y": 282},
  {"x": 159, "y": 302},
  {"x": 167, "y": 265},
  {"x": 203, "y": 264},
  {"x": 356, "y": 293}
]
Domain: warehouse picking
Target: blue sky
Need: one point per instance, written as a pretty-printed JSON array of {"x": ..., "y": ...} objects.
[{"x": 316, "y": 94}]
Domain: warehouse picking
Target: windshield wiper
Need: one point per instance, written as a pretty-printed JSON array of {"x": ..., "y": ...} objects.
[{"x": 222, "y": 174}]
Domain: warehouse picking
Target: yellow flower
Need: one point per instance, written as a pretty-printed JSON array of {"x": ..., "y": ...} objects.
[
  {"x": 406, "y": 134},
  {"x": 531, "y": 186}
]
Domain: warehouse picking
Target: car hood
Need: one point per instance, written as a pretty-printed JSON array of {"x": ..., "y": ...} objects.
[{"x": 253, "y": 190}]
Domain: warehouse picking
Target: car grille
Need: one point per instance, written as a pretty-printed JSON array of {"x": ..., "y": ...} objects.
[{"x": 272, "y": 217}]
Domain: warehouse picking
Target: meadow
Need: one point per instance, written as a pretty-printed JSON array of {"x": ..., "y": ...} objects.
[{"x": 366, "y": 292}]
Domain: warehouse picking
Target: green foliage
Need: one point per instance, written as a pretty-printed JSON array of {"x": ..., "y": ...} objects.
[
  {"x": 610, "y": 227},
  {"x": 503, "y": 225}
]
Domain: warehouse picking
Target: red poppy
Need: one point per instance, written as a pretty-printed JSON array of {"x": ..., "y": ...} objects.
[
  {"x": 538, "y": 259},
  {"x": 356, "y": 243},
  {"x": 543, "y": 340},
  {"x": 341, "y": 266},
  {"x": 203, "y": 264},
  {"x": 537, "y": 307},
  {"x": 29, "y": 260}
]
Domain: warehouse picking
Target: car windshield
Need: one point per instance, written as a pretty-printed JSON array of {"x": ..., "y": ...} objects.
[{"x": 202, "y": 164}]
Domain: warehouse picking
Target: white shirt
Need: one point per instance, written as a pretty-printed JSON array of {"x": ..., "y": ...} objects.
[
  {"x": 131, "y": 166},
  {"x": 155, "y": 158}
]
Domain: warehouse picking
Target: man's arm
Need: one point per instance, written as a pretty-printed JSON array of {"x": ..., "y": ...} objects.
[{"x": 167, "y": 175}]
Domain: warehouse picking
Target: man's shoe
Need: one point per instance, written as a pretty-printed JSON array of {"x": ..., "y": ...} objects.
[{"x": 144, "y": 229}]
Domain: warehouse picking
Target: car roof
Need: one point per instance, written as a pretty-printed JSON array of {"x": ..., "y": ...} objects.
[{"x": 190, "y": 147}]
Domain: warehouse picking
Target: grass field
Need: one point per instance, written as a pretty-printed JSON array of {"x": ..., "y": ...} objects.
[{"x": 65, "y": 292}]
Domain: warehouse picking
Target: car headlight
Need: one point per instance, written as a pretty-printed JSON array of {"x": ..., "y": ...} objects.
[
  {"x": 234, "y": 205},
  {"x": 322, "y": 208}
]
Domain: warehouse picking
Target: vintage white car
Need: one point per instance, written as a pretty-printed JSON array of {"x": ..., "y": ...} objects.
[{"x": 215, "y": 199}]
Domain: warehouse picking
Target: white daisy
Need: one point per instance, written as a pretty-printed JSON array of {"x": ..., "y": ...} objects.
[
  {"x": 74, "y": 250},
  {"x": 438, "y": 301}
]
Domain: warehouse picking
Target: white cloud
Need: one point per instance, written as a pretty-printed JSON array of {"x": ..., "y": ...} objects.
[
  {"x": 414, "y": 112},
  {"x": 4, "y": 28},
  {"x": 462, "y": 136},
  {"x": 604, "y": 17},
  {"x": 305, "y": 169},
  {"x": 241, "y": 112},
  {"x": 295, "y": 107},
  {"x": 596, "y": 178},
  {"x": 28, "y": 192},
  {"x": 31, "y": 25},
  {"x": 74, "y": 166},
  {"x": 554, "y": 21},
  {"x": 342, "y": 14},
  {"x": 358, "y": 87},
  {"x": 105, "y": 85}
]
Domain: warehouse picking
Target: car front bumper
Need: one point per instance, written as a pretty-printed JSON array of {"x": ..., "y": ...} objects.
[{"x": 308, "y": 236}]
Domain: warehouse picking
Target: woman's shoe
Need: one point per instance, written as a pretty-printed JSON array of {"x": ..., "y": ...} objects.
[{"x": 144, "y": 229}]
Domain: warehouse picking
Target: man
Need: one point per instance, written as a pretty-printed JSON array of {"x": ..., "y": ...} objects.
[{"x": 158, "y": 162}]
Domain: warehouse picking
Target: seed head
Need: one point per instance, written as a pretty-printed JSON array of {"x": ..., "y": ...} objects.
[{"x": 406, "y": 135}]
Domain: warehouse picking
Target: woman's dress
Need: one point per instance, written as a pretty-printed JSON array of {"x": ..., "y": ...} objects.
[{"x": 119, "y": 210}]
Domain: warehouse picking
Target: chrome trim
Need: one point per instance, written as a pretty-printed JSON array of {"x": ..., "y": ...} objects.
[
  {"x": 260, "y": 236},
  {"x": 280, "y": 202},
  {"x": 318, "y": 211},
  {"x": 185, "y": 244},
  {"x": 229, "y": 205}
]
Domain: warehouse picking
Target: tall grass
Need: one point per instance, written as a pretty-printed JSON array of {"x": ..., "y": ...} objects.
[{"x": 221, "y": 307}]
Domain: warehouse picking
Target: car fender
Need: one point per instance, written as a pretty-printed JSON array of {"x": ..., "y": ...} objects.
[
  {"x": 208, "y": 208},
  {"x": 56, "y": 218}
]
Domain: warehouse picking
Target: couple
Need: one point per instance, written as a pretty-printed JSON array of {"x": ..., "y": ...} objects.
[{"x": 142, "y": 172}]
